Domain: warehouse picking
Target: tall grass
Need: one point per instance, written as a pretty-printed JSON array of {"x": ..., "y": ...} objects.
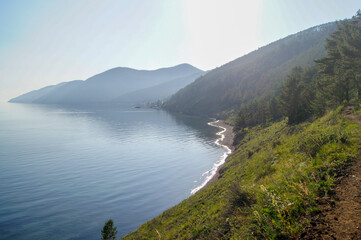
[{"x": 266, "y": 186}]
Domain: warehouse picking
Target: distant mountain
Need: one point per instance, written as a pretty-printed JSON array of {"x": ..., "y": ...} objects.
[
  {"x": 158, "y": 92},
  {"x": 253, "y": 76},
  {"x": 55, "y": 91},
  {"x": 111, "y": 85}
]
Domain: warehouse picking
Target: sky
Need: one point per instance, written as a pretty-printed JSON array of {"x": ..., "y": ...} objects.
[{"x": 47, "y": 42}]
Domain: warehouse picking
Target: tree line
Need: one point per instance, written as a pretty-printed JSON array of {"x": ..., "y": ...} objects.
[
  {"x": 257, "y": 75},
  {"x": 334, "y": 80}
]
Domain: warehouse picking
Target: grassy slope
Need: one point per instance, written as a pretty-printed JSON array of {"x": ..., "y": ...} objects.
[{"x": 267, "y": 185}]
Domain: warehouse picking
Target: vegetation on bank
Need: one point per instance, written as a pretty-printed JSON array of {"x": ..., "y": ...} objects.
[
  {"x": 266, "y": 186},
  {"x": 271, "y": 183},
  {"x": 311, "y": 91},
  {"x": 109, "y": 232}
]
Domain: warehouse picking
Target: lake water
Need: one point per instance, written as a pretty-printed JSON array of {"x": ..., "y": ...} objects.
[{"x": 65, "y": 171}]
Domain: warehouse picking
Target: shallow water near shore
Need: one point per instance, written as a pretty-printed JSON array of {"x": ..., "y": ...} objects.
[{"x": 65, "y": 171}]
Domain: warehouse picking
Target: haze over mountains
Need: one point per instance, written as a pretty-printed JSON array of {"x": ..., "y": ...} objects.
[
  {"x": 256, "y": 75},
  {"x": 117, "y": 85},
  {"x": 295, "y": 109},
  {"x": 217, "y": 93}
]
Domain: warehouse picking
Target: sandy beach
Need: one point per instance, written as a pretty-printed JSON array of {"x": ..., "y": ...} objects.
[
  {"x": 226, "y": 139},
  {"x": 228, "y": 134}
]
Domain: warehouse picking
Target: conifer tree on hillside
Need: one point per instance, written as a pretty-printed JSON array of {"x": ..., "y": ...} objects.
[
  {"x": 335, "y": 79},
  {"x": 351, "y": 49},
  {"x": 109, "y": 232},
  {"x": 341, "y": 68},
  {"x": 291, "y": 102}
]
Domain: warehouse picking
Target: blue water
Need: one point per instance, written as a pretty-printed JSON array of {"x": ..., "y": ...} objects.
[{"x": 65, "y": 171}]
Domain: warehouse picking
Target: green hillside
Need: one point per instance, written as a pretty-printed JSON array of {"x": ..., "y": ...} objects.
[
  {"x": 269, "y": 186},
  {"x": 255, "y": 75},
  {"x": 266, "y": 186}
]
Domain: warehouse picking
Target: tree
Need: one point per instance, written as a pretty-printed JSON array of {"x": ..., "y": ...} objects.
[
  {"x": 319, "y": 103},
  {"x": 341, "y": 68},
  {"x": 294, "y": 98},
  {"x": 351, "y": 49},
  {"x": 109, "y": 232},
  {"x": 274, "y": 109}
]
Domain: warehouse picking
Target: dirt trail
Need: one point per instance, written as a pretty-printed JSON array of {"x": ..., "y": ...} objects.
[{"x": 340, "y": 215}]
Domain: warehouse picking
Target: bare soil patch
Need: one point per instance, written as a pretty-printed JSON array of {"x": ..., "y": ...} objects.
[{"x": 340, "y": 213}]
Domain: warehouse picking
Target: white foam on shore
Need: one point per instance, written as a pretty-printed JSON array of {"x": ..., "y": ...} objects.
[{"x": 217, "y": 164}]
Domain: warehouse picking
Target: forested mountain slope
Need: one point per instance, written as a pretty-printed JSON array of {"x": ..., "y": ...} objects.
[{"x": 255, "y": 75}]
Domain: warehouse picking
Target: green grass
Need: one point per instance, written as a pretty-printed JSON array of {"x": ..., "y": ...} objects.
[{"x": 267, "y": 185}]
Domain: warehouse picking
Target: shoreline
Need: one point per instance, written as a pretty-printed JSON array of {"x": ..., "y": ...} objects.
[
  {"x": 225, "y": 140},
  {"x": 227, "y": 134}
]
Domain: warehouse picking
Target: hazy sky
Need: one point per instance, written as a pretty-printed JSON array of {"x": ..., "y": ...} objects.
[{"x": 44, "y": 42}]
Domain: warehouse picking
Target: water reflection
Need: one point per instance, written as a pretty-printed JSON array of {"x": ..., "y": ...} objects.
[
  {"x": 64, "y": 165},
  {"x": 110, "y": 118}
]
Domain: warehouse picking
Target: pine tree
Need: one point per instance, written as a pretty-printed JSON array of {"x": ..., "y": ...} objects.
[
  {"x": 109, "y": 232},
  {"x": 351, "y": 49},
  {"x": 331, "y": 69},
  {"x": 341, "y": 68},
  {"x": 274, "y": 109},
  {"x": 293, "y": 100}
]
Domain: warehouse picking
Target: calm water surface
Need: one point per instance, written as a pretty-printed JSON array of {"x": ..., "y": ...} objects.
[{"x": 65, "y": 171}]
